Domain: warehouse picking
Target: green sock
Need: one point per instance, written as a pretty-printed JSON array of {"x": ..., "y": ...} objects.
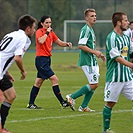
[
  {"x": 80, "y": 92},
  {"x": 106, "y": 117},
  {"x": 87, "y": 99}
]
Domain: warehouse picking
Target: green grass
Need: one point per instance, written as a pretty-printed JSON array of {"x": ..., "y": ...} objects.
[{"x": 53, "y": 119}]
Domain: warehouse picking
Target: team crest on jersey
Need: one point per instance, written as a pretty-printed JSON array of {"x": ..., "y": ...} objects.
[{"x": 124, "y": 51}]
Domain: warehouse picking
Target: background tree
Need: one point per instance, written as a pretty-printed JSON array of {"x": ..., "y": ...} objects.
[
  {"x": 60, "y": 10},
  {"x": 10, "y": 11}
]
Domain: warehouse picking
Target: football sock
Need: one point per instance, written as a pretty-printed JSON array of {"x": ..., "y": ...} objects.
[
  {"x": 4, "y": 112},
  {"x": 106, "y": 117},
  {"x": 33, "y": 94},
  {"x": 57, "y": 93},
  {"x": 83, "y": 90},
  {"x": 87, "y": 99}
]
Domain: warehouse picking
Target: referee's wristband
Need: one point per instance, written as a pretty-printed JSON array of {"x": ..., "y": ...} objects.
[{"x": 47, "y": 33}]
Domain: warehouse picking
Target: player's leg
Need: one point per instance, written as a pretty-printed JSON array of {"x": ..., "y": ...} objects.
[
  {"x": 88, "y": 95},
  {"x": 1, "y": 99},
  {"x": 82, "y": 91},
  {"x": 9, "y": 95},
  {"x": 34, "y": 92},
  {"x": 92, "y": 74},
  {"x": 107, "y": 115},
  {"x": 87, "y": 98},
  {"x": 128, "y": 91},
  {"x": 111, "y": 95}
]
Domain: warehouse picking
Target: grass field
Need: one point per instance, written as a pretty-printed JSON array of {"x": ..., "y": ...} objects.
[{"x": 51, "y": 118}]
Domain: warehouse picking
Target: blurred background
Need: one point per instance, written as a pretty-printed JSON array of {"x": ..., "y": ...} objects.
[{"x": 60, "y": 11}]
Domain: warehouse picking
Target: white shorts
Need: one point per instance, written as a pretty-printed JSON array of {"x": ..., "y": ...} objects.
[
  {"x": 113, "y": 89},
  {"x": 92, "y": 73}
]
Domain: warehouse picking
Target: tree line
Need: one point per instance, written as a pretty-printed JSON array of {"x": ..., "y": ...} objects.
[{"x": 58, "y": 10}]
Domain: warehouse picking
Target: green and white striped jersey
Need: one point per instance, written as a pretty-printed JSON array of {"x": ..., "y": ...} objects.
[
  {"x": 87, "y": 38},
  {"x": 117, "y": 46}
]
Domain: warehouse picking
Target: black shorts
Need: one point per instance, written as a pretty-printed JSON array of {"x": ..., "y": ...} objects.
[
  {"x": 5, "y": 83},
  {"x": 43, "y": 66}
]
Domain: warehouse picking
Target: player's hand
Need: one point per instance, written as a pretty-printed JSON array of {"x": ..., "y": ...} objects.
[
  {"x": 98, "y": 54},
  {"x": 11, "y": 78},
  {"x": 103, "y": 57},
  {"x": 69, "y": 44},
  {"x": 23, "y": 73}
]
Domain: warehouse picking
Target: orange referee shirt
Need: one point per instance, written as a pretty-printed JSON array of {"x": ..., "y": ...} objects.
[{"x": 45, "y": 48}]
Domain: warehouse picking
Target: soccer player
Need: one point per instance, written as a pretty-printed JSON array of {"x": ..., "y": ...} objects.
[
  {"x": 129, "y": 32},
  {"x": 1, "y": 99},
  {"x": 12, "y": 48},
  {"x": 45, "y": 37},
  {"x": 119, "y": 68},
  {"x": 88, "y": 62}
]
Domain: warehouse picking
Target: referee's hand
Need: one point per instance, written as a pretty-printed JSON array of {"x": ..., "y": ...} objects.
[{"x": 69, "y": 44}]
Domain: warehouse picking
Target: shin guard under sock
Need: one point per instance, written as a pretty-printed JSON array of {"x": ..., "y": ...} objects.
[
  {"x": 106, "y": 117},
  {"x": 83, "y": 90}
]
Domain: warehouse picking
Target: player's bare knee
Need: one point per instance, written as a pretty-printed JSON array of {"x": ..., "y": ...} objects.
[
  {"x": 93, "y": 86},
  {"x": 10, "y": 98}
]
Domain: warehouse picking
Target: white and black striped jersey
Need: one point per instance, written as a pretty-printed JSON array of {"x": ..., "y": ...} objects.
[{"x": 14, "y": 43}]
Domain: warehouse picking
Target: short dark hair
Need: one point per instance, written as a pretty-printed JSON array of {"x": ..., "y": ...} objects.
[
  {"x": 117, "y": 16},
  {"x": 131, "y": 22},
  {"x": 43, "y": 18},
  {"x": 25, "y": 21}
]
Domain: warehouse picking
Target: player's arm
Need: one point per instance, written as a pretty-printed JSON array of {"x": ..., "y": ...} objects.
[
  {"x": 19, "y": 62},
  {"x": 95, "y": 52},
  {"x": 89, "y": 50},
  {"x": 124, "y": 62}
]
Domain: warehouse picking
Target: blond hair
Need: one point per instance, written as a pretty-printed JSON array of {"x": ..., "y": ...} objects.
[{"x": 87, "y": 11}]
